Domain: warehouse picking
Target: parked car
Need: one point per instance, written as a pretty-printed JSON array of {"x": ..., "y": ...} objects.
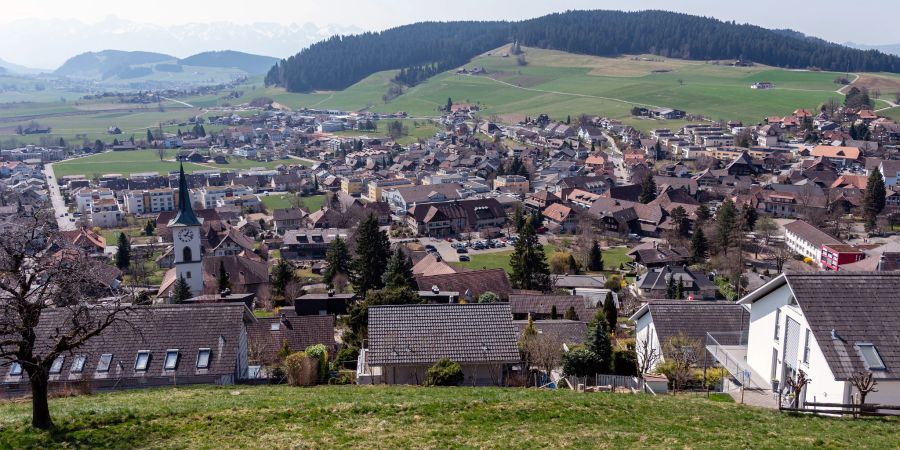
[
  {"x": 430, "y": 248},
  {"x": 464, "y": 258},
  {"x": 462, "y": 250}
]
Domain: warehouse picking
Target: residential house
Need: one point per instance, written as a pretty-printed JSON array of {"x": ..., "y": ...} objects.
[
  {"x": 807, "y": 240},
  {"x": 267, "y": 336},
  {"x": 516, "y": 184},
  {"x": 405, "y": 340},
  {"x": 447, "y": 218},
  {"x": 655, "y": 283},
  {"x": 470, "y": 284},
  {"x": 309, "y": 244},
  {"x": 560, "y": 218},
  {"x": 836, "y": 255},
  {"x": 288, "y": 219},
  {"x": 839, "y": 156}
]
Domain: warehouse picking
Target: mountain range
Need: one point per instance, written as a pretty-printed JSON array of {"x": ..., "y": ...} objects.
[
  {"x": 74, "y": 37},
  {"x": 106, "y": 64}
]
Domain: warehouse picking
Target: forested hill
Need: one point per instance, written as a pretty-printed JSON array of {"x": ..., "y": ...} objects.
[{"x": 339, "y": 62}]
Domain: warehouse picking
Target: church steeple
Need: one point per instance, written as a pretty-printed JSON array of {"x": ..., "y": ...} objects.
[{"x": 185, "y": 216}]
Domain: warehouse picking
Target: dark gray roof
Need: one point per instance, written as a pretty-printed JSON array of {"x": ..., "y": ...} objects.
[
  {"x": 811, "y": 234},
  {"x": 477, "y": 282},
  {"x": 569, "y": 331},
  {"x": 299, "y": 332},
  {"x": 695, "y": 319},
  {"x": 422, "y": 334},
  {"x": 860, "y": 308},
  {"x": 543, "y": 305}
]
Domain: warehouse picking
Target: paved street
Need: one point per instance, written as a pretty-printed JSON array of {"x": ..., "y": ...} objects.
[{"x": 56, "y": 199}]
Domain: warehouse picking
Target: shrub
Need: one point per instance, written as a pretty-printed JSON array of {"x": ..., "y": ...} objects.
[
  {"x": 488, "y": 297},
  {"x": 346, "y": 354},
  {"x": 320, "y": 353},
  {"x": 301, "y": 369},
  {"x": 444, "y": 373},
  {"x": 624, "y": 362},
  {"x": 581, "y": 362}
]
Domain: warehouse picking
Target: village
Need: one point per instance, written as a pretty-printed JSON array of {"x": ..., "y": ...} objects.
[{"x": 756, "y": 260}]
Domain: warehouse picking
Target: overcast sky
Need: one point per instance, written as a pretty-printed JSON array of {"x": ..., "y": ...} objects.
[{"x": 827, "y": 19}]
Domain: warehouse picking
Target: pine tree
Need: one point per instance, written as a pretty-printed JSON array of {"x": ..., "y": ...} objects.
[
  {"x": 372, "y": 252},
  {"x": 725, "y": 219},
  {"x": 123, "y": 252},
  {"x": 223, "y": 281},
  {"x": 282, "y": 274},
  {"x": 750, "y": 217},
  {"x": 680, "y": 219},
  {"x": 573, "y": 265},
  {"x": 150, "y": 228},
  {"x": 596, "y": 258},
  {"x": 702, "y": 213},
  {"x": 553, "y": 313},
  {"x": 648, "y": 189},
  {"x": 337, "y": 260},
  {"x": 598, "y": 342},
  {"x": 316, "y": 183},
  {"x": 699, "y": 246},
  {"x": 398, "y": 273},
  {"x": 518, "y": 218},
  {"x": 529, "y": 266},
  {"x": 679, "y": 289},
  {"x": 874, "y": 198},
  {"x": 610, "y": 311},
  {"x": 670, "y": 286},
  {"x": 449, "y": 104},
  {"x": 149, "y": 137},
  {"x": 181, "y": 292}
]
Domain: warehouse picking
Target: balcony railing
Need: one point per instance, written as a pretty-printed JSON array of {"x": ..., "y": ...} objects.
[{"x": 730, "y": 350}]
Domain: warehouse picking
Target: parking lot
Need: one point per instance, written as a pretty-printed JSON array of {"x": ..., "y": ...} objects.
[{"x": 448, "y": 249}]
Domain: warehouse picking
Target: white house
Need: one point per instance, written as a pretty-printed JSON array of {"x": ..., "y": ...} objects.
[
  {"x": 830, "y": 325},
  {"x": 807, "y": 240},
  {"x": 659, "y": 320},
  {"x": 890, "y": 171}
]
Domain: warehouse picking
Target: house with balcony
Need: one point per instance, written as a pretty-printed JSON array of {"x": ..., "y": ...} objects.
[{"x": 830, "y": 325}]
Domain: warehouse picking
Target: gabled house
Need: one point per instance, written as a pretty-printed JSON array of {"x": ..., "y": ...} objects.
[
  {"x": 405, "y": 340},
  {"x": 654, "y": 283}
]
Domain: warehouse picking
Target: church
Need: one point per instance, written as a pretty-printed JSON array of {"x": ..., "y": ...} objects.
[{"x": 199, "y": 265}]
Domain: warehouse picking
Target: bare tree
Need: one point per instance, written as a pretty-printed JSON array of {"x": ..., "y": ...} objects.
[
  {"x": 545, "y": 350},
  {"x": 684, "y": 353},
  {"x": 864, "y": 383},
  {"x": 40, "y": 272},
  {"x": 648, "y": 355},
  {"x": 780, "y": 255}
]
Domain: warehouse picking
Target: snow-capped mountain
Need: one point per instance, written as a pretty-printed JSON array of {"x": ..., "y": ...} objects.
[{"x": 51, "y": 42}]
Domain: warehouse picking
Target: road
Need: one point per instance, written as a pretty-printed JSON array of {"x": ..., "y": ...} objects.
[
  {"x": 616, "y": 156},
  {"x": 178, "y": 101},
  {"x": 56, "y": 199}
]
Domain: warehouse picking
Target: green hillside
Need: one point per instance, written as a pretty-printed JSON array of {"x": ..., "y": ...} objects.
[
  {"x": 414, "y": 417},
  {"x": 561, "y": 84}
]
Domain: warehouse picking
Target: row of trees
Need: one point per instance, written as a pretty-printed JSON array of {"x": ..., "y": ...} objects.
[{"x": 424, "y": 49}]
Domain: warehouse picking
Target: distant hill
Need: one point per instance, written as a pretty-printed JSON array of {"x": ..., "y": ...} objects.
[
  {"x": 107, "y": 63},
  {"x": 252, "y": 64},
  {"x": 893, "y": 49},
  {"x": 8, "y": 67},
  {"x": 430, "y": 47}
]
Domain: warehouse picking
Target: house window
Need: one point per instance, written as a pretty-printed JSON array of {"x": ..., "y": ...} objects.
[
  {"x": 105, "y": 361},
  {"x": 871, "y": 357},
  {"x": 15, "y": 370},
  {"x": 777, "y": 323},
  {"x": 142, "y": 360},
  {"x": 56, "y": 367},
  {"x": 77, "y": 364},
  {"x": 188, "y": 275},
  {"x": 171, "y": 359},
  {"x": 806, "y": 348},
  {"x": 274, "y": 326},
  {"x": 203, "y": 358}
]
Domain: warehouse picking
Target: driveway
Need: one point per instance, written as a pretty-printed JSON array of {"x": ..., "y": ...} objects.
[{"x": 56, "y": 199}]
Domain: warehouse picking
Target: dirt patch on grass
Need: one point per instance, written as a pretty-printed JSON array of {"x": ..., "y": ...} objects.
[{"x": 887, "y": 85}]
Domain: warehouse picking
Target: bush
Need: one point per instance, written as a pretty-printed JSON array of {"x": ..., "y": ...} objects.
[
  {"x": 713, "y": 378},
  {"x": 581, "y": 362},
  {"x": 488, "y": 297},
  {"x": 444, "y": 373},
  {"x": 346, "y": 354},
  {"x": 624, "y": 362},
  {"x": 320, "y": 353},
  {"x": 301, "y": 369}
]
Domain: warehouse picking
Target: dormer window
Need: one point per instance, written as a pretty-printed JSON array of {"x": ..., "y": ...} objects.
[
  {"x": 142, "y": 361},
  {"x": 77, "y": 364},
  {"x": 870, "y": 356},
  {"x": 15, "y": 369},
  {"x": 105, "y": 361},
  {"x": 56, "y": 367},
  {"x": 171, "y": 361},
  {"x": 203, "y": 358}
]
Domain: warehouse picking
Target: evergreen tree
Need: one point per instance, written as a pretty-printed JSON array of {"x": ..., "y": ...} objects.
[
  {"x": 449, "y": 104},
  {"x": 610, "y": 311},
  {"x": 702, "y": 213},
  {"x": 750, "y": 217},
  {"x": 670, "y": 286},
  {"x": 518, "y": 219},
  {"x": 316, "y": 183},
  {"x": 598, "y": 342},
  {"x": 699, "y": 246},
  {"x": 570, "y": 314},
  {"x": 529, "y": 267},
  {"x": 181, "y": 292},
  {"x": 648, "y": 189},
  {"x": 123, "y": 252},
  {"x": 150, "y": 228},
  {"x": 149, "y": 136},
  {"x": 282, "y": 274},
  {"x": 372, "y": 252},
  {"x": 398, "y": 273},
  {"x": 223, "y": 281},
  {"x": 337, "y": 260},
  {"x": 725, "y": 219},
  {"x": 553, "y": 313},
  {"x": 595, "y": 259},
  {"x": 573, "y": 265},
  {"x": 679, "y": 289},
  {"x": 680, "y": 219},
  {"x": 874, "y": 198}
]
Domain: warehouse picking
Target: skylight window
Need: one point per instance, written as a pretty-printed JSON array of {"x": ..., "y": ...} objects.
[
  {"x": 274, "y": 326},
  {"x": 171, "y": 359},
  {"x": 56, "y": 367},
  {"x": 105, "y": 361},
  {"x": 16, "y": 369},
  {"x": 142, "y": 360},
  {"x": 77, "y": 364},
  {"x": 203, "y": 358},
  {"x": 871, "y": 357}
]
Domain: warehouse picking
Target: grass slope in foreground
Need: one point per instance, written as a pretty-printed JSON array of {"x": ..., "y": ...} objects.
[{"x": 407, "y": 417}]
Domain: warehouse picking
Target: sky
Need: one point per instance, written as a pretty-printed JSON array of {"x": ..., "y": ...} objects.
[{"x": 824, "y": 18}]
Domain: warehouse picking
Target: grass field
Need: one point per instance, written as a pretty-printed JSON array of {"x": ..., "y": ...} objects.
[
  {"x": 417, "y": 129},
  {"x": 562, "y": 84},
  {"x": 140, "y": 161},
  {"x": 311, "y": 203},
  {"x": 416, "y": 417},
  {"x": 500, "y": 260}
]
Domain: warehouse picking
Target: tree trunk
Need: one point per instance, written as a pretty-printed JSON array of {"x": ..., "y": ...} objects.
[{"x": 40, "y": 409}]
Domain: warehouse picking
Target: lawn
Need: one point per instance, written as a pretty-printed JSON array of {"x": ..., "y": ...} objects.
[
  {"x": 139, "y": 161},
  {"x": 495, "y": 260},
  {"x": 416, "y": 417},
  {"x": 311, "y": 203}
]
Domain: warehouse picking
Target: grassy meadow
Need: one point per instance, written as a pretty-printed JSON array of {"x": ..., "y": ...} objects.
[
  {"x": 417, "y": 417},
  {"x": 140, "y": 161}
]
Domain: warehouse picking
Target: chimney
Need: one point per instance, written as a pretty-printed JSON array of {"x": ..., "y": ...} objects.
[
  {"x": 435, "y": 289},
  {"x": 880, "y": 267}
]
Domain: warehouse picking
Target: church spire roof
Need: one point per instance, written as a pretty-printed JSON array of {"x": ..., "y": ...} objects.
[{"x": 185, "y": 214}]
